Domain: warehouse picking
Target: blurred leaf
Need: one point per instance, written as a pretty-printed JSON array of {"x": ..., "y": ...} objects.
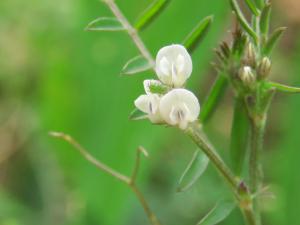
[
  {"x": 215, "y": 95},
  {"x": 105, "y": 24},
  {"x": 284, "y": 88},
  {"x": 151, "y": 13},
  {"x": 198, "y": 33},
  {"x": 218, "y": 213},
  {"x": 274, "y": 38},
  {"x": 259, "y": 3},
  {"x": 242, "y": 20},
  {"x": 265, "y": 20},
  {"x": 194, "y": 170},
  {"x": 239, "y": 136},
  {"x": 137, "y": 114},
  {"x": 136, "y": 65},
  {"x": 251, "y": 5}
]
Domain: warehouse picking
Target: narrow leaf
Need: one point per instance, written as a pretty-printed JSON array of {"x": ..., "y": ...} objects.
[
  {"x": 285, "y": 88},
  {"x": 214, "y": 97},
  {"x": 265, "y": 20},
  {"x": 239, "y": 136},
  {"x": 194, "y": 170},
  {"x": 243, "y": 20},
  {"x": 260, "y": 3},
  {"x": 197, "y": 34},
  {"x": 151, "y": 13},
  {"x": 251, "y": 5},
  {"x": 136, "y": 114},
  {"x": 136, "y": 65},
  {"x": 105, "y": 24},
  {"x": 274, "y": 38},
  {"x": 220, "y": 212}
]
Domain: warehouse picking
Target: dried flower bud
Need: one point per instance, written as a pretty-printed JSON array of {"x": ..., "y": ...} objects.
[
  {"x": 246, "y": 75},
  {"x": 173, "y": 65},
  {"x": 264, "y": 68},
  {"x": 179, "y": 107}
]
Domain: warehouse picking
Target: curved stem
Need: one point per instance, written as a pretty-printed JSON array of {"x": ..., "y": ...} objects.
[
  {"x": 130, "y": 181},
  {"x": 132, "y": 32}
]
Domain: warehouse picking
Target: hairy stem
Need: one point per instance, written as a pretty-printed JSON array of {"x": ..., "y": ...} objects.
[
  {"x": 130, "y": 30},
  {"x": 130, "y": 181}
]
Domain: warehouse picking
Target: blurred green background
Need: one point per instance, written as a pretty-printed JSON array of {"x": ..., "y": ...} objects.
[{"x": 56, "y": 76}]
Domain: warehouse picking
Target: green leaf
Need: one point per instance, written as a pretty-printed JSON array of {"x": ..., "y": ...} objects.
[
  {"x": 197, "y": 34},
  {"x": 239, "y": 136},
  {"x": 284, "y": 88},
  {"x": 194, "y": 170},
  {"x": 274, "y": 38},
  {"x": 105, "y": 24},
  {"x": 135, "y": 65},
  {"x": 151, "y": 13},
  {"x": 243, "y": 20},
  {"x": 214, "y": 97},
  {"x": 260, "y": 3},
  {"x": 158, "y": 89},
  {"x": 265, "y": 20},
  {"x": 251, "y": 5},
  {"x": 220, "y": 212},
  {"x": 137, "y": 114}
]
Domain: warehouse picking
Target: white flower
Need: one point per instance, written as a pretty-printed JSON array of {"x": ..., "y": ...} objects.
[
  {"x": 149, "y": 104},
  {"x": 148, "y": 83},
  {"x": 173, "y": 65},
  {"x": 179, "y": 107}
]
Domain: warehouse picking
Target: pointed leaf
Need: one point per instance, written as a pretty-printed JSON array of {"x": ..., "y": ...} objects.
[
  {"x": 105, "y": 24},
  {"x": 274, "y": 38},
  {"x": 285, "y": 88},
  {"x": 239, "y": 136},
  {"x": 151, "y": 13},
  {"x": 214, "y": 97},
  {"x": 220, "y": 212},
  {"x": 194, "y": 170},
  {"x": 136, "y": 65},
  {"x": 242, "y": 20},
  {"x": 251, "y": 5},
  {"x": 265, "y": 20},
  {"x": 137, "y": 114},
  {"x": 197, "y": 34}
]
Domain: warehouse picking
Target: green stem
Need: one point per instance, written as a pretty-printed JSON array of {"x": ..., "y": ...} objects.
[{"x": 255, "y": 172}]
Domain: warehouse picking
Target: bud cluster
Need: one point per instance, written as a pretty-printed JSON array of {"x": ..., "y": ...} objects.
[{"x": 173, "y": 104}]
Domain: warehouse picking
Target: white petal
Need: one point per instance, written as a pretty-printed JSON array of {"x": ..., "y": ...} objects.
[
  {"x": 179, "y": 107},
  {"x": 173, "y": 65}
]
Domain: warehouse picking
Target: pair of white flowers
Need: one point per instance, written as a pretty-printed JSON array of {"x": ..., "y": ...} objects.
[{"x": 177, "y": 107}]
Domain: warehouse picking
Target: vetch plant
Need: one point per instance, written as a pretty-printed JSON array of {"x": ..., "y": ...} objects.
[{"x": 244, "y": 65}]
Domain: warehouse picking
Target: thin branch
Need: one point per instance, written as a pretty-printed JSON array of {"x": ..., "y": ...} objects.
[
  {"x": 132, "y": 32},
  {"x": 103, "y": 167},
  {"x": 89, "y": 157},
  {"x": 139, "y": 151}
]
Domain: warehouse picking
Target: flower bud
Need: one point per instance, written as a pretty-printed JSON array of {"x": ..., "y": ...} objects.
[
  {"x": 250, "y": 55},
  {"x": 149, "y": 104},
  {"x": 264, "y": 68},
  {"x": 173, "y": 65},
  {"x": 179, "y": 107},
  {"x": 149, "y": 83},
  {"x": 246, "y": 75}
]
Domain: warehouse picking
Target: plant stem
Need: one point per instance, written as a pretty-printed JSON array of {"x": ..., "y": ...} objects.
[
  {"x": 132, "y": 32},
  {"x": 255, "y": 172},
  {"x": 195, "y": 132},
  {"x": 130, "y": 181},
  {"x": 243, "y": 198}
]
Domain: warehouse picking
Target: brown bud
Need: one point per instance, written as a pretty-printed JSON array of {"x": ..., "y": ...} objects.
[{"x": 264, "y": 68}]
